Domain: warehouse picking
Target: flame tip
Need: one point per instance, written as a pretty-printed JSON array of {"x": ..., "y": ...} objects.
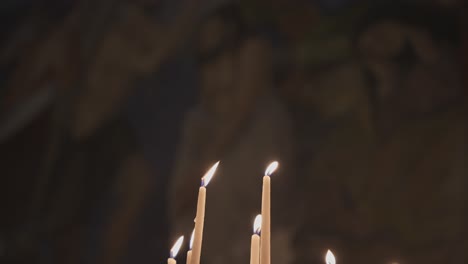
[
  {"x": 177, "y": 245},
  {"x": 209, "y": 174},
  {"x": 257, "y": 226},
  {"x": 330, "y": 258},
  {"x": 271, "y": 168},
  {"x": 191, "y": 239}
]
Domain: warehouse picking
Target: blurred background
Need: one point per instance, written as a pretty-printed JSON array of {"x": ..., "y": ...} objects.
[{"x": 112, "y": 110}]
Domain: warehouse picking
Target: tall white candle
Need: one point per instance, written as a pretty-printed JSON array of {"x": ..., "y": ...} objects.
[
  {"x": 330, "y": 258},
  {"x": 200, "y": 218},
  {"x": 189, "y": 252},
  {"x": 255, "y": 243},
  {"x": 266, "y": 215},
  {"x": 174, "y": 250}
]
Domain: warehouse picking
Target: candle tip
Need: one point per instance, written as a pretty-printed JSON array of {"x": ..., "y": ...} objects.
[
  {"x": 330, "y": 258},
  {"x": 175, "y": 249},
  {"x": 209, "y": 175},
  {"x": 271, "y": 168},
  {"x": 257, "y": 224}
]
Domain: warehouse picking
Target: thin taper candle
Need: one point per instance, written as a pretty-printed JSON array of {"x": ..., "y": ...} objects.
[
  {"x": 189, "y": 257},
  {"x": 174, "y": 250},
  {"x": 255, "y": 242},
  {"x": 200, "y": 217},
  {"x": 189, "y": 252},
  {"x": 266, "y": 215}
]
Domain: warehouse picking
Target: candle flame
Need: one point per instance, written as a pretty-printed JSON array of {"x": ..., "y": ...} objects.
[
  {"x": 257, "y": 224},
  {"x": 271, "y": 168},
  {"x": 191, "y": 239},
  {"x": 330, "y": 258},
  {"x": 175, "y": 249},
  {"x": 209, "y": 174}
]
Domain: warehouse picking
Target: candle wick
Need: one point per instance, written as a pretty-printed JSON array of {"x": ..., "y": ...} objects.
[{"x": 203, "y": 182}]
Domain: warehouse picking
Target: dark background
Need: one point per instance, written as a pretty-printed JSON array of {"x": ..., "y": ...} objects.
[{"x": 100, "y": 102}]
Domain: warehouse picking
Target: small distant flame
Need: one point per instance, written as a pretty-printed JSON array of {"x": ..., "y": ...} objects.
[
  {"x": 175, "y": 249},
  {"x": 257, "y": 224},
  {"x": 330, "y": 258},
  {"x": 191, "y": 239},
  {"x": 209, "y": 174},
  {"x": 271, "y": 168}
]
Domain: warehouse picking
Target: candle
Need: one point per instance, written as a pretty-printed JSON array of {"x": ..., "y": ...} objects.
[
  {"x": 200, "y": 217},
  {"x": 175, "y": 250},
  {"x": 255, "y": 244},
  {"x": 330, "y": 258},
  {"x": 189, "y": 252},
  {"x": 266, "y": 214}
]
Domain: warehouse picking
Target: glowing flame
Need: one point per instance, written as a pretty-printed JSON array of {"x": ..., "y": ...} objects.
[
  {"x": 175, "y": 249},
  {"x": 191, "y": 239},
  {"x": 209, "y": 174},
  {"x": 271, "y": 168},
  {"x": 330, "y": 258},
  {"x": 257, "y": 224}
]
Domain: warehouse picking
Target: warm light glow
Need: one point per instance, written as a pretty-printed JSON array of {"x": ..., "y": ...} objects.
[
  {"x": 175, "y": 249},
  {"x": 257, "y": 224},
  {"x": 191, "y": 240},
  {"x": 209, "y": 174},
  {"x": 271, "y": 168},
  {"x": 330, "y": 258}
]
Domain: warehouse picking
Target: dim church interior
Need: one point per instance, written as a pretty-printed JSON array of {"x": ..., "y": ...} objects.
[{"x": 111, "y": 111}]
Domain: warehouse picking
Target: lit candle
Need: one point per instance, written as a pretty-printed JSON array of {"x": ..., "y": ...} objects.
[
  {"x": 175, "y": 250},
  {"x": 266, "y": 214},
  {"x": 200, "y": 217},
  {"x": 330, "y": 258},
  {"x": 255, "y": 244},
  {"x": 189, "y": 252}
]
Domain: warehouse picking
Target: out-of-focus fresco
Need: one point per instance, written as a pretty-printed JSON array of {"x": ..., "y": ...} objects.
[{"x": 111, "y": 112}]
